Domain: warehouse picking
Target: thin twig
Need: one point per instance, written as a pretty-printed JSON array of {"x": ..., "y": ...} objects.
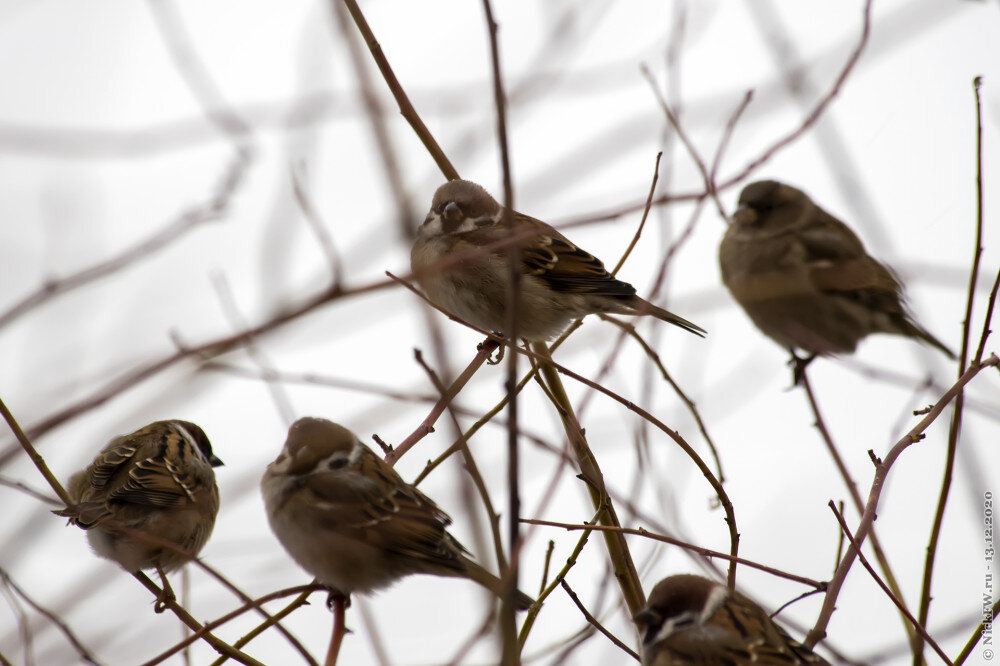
[
  {"x": 405, "y": 107},
  {"x": 882, "y": 468},
  {"x": 246, "y": 607},
  {"x": 852, "y": 489},
  {"x": 199, "y": 631},
  {"x": 426, "y": 426},
  {"x": 642, "y": 220},
  {"x": 955, "y": 427},
  {"x": 977, "y": 635},
  {"x": 593, "y": 621},
  {"x": 700, "y": 550},
  {"x": 621, "y": 558},
  {"x": 885, "y": 588}
]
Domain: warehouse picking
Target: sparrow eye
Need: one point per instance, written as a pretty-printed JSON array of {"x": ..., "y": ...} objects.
[{"x": 337, "y": 463}]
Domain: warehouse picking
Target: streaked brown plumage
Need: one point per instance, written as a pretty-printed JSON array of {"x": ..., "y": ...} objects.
[
  {"x": 347, "y": 517},
  {"x": 693, "y": 621},
  {"x": 804, "y": 277},
  {"x": 560, "y": 282},
  {"x": 158, "y": 482}
]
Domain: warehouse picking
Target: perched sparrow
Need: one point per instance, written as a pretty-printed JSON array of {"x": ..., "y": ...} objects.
[
  {"x": 805, "y": 279},
  {"x": 348, "y": 518},
  {"x": 154, "y": 485},
  {"x": 559, "y": 281},
  {"x": 692, "y": 621}
]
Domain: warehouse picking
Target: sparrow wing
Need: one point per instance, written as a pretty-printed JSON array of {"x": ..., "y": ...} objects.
[
  {"x": 380, "y": 509},
  {"x": 838, "y": 264},
  {"x": 149, "y": 468},
  {"x": 559, "y": 262},
  {"x": 763, "y": 641}
]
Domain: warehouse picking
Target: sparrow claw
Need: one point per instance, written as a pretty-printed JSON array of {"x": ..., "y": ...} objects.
[
  {"x": 500, "y": 347},
  {"x": 166, "y": 595},
  {"x": 798, "y": 364},
  {"x": 335, "y": 598}
]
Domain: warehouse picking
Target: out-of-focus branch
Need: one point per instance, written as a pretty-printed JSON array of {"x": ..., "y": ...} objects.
[
  {"x": 81, "y": 650},
  {"x": 376, "y": 120},
  {"x": 212, "y": 209}
]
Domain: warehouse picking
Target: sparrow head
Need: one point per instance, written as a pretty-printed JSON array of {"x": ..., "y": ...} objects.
[
  {"x": 676, "y": 604},
  {"x": 765, "y": 196},
  {"x": 316, "y": 444},
  {"x": 460, "y": 206},
  {"x": 196, "y": 437}
]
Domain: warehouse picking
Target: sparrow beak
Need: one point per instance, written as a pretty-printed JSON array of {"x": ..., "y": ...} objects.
[
  {"x": 744, "y": 215},
  {"x": 215, "y": 462},
  {"x": 451, "y": 212}
]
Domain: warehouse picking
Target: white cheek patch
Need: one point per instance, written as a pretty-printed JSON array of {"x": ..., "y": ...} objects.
[
  {"x": 431, "y": 226},
  {"x": 715, "y": 599}
]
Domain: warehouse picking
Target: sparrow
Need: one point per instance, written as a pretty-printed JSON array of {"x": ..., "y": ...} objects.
[
  {"x": 560, "y": 282},
  {"x": 345, "y": 516},
  {"x": 804, "y": 277},
  {"x": 693, "y": 621},
  {"x": 152, "y": 486}
]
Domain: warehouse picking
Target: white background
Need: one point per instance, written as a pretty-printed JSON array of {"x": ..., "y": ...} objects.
[{"x": 103, "y": 142}]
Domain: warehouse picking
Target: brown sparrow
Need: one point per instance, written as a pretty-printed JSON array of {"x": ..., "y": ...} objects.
[
  {"x": 692, "y": 621},
  {"x": 559, "y": 281},
  {"x": 805, "y": 279},
  {"x": 157, "y": 482},
  {"x": 347, "y": 517}
]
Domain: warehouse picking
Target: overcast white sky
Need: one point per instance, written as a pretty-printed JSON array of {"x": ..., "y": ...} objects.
[{"x": 103, "y": 142}]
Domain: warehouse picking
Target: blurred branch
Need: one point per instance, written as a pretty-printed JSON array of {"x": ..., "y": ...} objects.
[
  {"x": 376, "y": 118},
  {"x": 710, "y": 188},
  {"x": 323, "y": 237},
  {"x": 512, "y": 255},
  {"x": 210, "y": 210},
  {"x": 818, "y": 109},
  {"x": 81, "y": 650},
  {"x": 231, "y": 311}
]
